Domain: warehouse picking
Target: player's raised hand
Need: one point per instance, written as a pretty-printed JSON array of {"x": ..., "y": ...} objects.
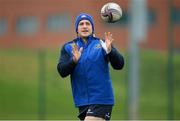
[
  {"x": 76, "y": 53},
  {"x": 108, "y": 41}
]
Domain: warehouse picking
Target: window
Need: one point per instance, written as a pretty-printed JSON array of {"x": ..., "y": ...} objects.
[
  {"x": 151, "y": 17},
  {"x": 27, "y": 25},
  {"x": 175, "y": 16},
  {"x": 58, "y": 22},
  {"x": 3, "y": 26}
]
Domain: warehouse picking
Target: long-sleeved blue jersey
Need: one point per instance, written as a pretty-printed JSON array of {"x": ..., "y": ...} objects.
[{"x": 90, "y": 77}]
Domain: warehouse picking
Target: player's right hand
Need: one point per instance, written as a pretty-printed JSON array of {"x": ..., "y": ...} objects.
[{"x": 76, "y": 53}]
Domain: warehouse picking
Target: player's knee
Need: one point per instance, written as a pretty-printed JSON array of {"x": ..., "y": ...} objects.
[{"x": 92, "y": 118}]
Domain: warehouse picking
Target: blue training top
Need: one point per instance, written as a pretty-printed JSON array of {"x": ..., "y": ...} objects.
[{"x": 90, "y": 78}]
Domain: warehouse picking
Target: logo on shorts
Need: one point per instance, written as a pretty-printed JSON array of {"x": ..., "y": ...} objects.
[
  {"x": 107, "y": 115},
  {"x": 89, "y": 111}
]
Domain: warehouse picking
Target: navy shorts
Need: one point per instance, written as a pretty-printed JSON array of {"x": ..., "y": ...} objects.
[{"x": 96, "y": 110}]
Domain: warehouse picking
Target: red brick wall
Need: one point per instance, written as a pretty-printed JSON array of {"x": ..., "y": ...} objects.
[{"x": 12, "y": 9}]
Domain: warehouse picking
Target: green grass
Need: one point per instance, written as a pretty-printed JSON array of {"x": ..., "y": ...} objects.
[{"x": 19, "y": 86}]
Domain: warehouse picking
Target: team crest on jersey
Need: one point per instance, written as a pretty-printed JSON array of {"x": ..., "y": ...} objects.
[{"x": 97, "y": 46}]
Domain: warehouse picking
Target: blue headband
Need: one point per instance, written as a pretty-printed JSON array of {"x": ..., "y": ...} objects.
[{"x": 84, "y": 16}]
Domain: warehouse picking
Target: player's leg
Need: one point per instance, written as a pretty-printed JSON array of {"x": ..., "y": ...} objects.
[{"x": 92, "y": 118}]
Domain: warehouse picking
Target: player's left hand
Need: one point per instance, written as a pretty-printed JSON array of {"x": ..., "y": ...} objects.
[{"x": 108, "y": 41}]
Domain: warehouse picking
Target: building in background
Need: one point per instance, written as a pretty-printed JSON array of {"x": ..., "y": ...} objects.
[{"x": 48, "y": 24}]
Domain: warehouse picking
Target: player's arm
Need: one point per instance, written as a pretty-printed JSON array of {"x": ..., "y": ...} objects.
[
  {"x": 66, "y": 64},
  {"x": 116, "y": 59}
]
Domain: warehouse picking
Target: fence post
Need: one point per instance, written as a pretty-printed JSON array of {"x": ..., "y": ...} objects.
[
  {"x": 42, "y": 85},
  {"x": 170, "y": 85}
]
